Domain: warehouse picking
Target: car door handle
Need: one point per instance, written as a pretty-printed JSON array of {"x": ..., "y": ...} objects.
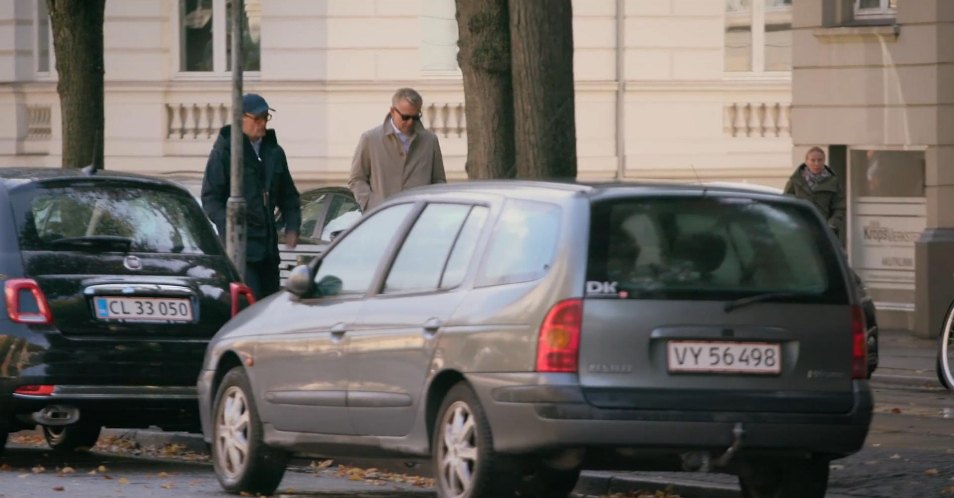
[
  {"x": 338, "y": 329},
  {"x": 431, "y": 326}
]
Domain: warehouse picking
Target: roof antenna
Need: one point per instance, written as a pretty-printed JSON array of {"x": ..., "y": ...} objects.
[
  {"x": 698, "y": 178},
  {"x": 90, "y": 169}
]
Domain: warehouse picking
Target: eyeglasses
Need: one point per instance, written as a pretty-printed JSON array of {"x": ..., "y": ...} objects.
[
  {"x": 407, "y": 117},
  {"x": 264, "y": 117}
]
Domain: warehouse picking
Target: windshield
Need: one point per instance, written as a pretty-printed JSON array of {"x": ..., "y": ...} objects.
[
  {"x": 112, "y": 217},
  {"x": 718, "y": 248}
]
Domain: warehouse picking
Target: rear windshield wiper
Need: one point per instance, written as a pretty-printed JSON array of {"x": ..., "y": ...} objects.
[
  {"x": 95, "y": 242},
  {"x": 757, "y": 298}
]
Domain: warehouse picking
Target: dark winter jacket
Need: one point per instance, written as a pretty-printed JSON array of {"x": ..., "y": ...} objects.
[
  {"x": 267, "y": 185},
  {"x": 828, "y": 196}
]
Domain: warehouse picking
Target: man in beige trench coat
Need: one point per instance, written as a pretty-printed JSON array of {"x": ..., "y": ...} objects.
[{"x": 396, "y": 155}]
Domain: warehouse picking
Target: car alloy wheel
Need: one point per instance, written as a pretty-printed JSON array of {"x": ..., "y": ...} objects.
[
  {"x": 243, "y": 462},
  {"x": 466, "y": 465}
]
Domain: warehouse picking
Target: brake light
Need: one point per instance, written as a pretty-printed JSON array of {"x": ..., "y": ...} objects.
[
  {"x": 859, "y": 344},
  {"x": 558, "y": 346},
  {"x": 33, "y": 309},
  {"x": 240, "y": 292},
  {"x": 34, "y": 390}
]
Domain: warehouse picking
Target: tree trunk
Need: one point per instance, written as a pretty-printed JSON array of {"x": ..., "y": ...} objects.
[
  {"x": 484, "y": 59},
  {"x": 77, "y": 27},
  {"x": 541, "y": 37}
]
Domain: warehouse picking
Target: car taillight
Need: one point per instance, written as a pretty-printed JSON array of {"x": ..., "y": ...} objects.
[
  {"x": 26, "y": 302},
  {"x": 558, "y": 345},
  {"x": 242, "y": 297},
  {"x": 34, "y": 390},
  {"x": 859, "y": 344}
]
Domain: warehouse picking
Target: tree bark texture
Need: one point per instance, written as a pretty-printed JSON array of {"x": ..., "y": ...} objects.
[
  {"x": 541, "y": 38},
  {"x": 77, "y": 27},
  {"x": 484, "y": 59}
]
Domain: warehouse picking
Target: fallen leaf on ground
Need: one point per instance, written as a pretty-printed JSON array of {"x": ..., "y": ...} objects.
[
  {"x": 59, "y": 488},
  {"x": 39, "y": 469},
  {"x": 67, "y": 470},
  {"x": 931, "y": 472}
]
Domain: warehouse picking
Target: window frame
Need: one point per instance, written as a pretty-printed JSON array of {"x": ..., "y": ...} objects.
[
  {"x": 432, "y": 22},
  {"x": 883, "y": 12},
  {"x": 419, "y": 217},
  {"x": 50, "y": 72},
  {"x": 219, "y": 49},
  {"x": 759, "y": 14}
]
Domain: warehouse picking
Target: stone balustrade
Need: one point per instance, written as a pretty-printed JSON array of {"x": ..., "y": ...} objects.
[
  {"x": 196, "y": 121},
  {"x": 757, "y": 119},
  {"x": 38, "y": 122},
  {"x": 446, "y": 120}
]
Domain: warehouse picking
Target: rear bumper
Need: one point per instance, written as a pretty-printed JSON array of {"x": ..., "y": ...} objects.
[
  {"x": 169, "y": 407},
  {"x": 528, "y": 417}
]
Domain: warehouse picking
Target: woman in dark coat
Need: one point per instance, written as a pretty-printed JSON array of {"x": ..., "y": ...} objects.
[{"x": 815, "y": 182}]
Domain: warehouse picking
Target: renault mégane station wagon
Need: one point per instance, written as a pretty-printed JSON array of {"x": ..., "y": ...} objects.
[{"x": 517, "y": 332}]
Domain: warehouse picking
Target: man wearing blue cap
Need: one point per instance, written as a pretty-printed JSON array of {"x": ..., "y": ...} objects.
[{"x": 268, "y": 185}]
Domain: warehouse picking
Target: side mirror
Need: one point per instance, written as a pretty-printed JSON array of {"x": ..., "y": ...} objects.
[
  {"x": 329, "y": 285},
  {"x": 299, "y": 280}
]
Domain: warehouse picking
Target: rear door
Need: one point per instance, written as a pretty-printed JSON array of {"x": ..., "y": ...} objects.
[{"x": 714, "y": 304}]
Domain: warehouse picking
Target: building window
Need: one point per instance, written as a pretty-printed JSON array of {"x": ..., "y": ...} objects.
[
  {"x": 205, "y": 36},
  {"x": 875, "y": 9},
  {"x": 439, "y": 37},
  {"x": 758, "y": 36},
  {"x": 43, "y": 36}
]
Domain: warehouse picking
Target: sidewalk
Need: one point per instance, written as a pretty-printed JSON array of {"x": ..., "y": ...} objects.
[{"x": 905, "y": 361}]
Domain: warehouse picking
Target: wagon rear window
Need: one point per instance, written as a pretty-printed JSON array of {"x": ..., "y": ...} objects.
[{"x": 711, "y": 248}]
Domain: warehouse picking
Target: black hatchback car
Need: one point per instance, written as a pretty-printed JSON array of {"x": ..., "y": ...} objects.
[{"x": 113, "y": 284}]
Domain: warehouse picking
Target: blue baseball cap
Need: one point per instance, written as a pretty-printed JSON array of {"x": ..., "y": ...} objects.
[{"x": 254, "y": 104}]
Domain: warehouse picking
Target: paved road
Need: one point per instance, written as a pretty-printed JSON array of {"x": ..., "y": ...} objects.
[{"x": 30, "y": 472}]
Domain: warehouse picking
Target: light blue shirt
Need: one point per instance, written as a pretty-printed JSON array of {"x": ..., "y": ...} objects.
[
  {"x": 257, "y": 146},
  {"x": 405, "y": 139}
]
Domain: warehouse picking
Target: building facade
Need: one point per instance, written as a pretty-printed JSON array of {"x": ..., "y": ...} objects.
[
  {"x": 701, "y": 105},
  {"x": 873, "y": 81},
  {"x": 685, "y": 90}
]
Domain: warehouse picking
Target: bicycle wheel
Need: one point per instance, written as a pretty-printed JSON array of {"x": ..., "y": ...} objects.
[{"x": 945, "y": 351}]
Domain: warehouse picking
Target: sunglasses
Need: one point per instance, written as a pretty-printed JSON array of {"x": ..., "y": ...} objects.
[
  {"x": 407, "y": 117},
  {"x": 264, "y": 117}
]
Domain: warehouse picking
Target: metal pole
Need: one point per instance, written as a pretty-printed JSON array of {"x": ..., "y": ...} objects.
[{"x": 236, "y": 208}]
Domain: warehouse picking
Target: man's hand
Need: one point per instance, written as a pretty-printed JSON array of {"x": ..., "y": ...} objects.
[{"x": 291, "y": 239}]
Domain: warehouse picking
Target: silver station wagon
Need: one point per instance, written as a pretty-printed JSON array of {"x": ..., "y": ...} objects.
[{"x": 515, "y": 333}]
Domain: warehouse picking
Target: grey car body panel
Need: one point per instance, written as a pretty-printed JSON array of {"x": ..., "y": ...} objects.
[{"x": 622, "y": 395}]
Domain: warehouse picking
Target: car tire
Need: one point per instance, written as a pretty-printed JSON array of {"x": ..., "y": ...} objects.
[
  {"x": 3, "y": 440},
  {"x": 243, "y": 462},
  {"x": 71, "y": 437},
  {"x": 794, "y": 478},
  {"x": 465, "y": 463},
  {"x": 543, "y": 481},
  {"x": 945, "y": 351}
]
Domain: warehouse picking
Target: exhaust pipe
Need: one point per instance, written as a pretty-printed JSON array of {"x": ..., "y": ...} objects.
[{"x": 56, "y": 415}]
